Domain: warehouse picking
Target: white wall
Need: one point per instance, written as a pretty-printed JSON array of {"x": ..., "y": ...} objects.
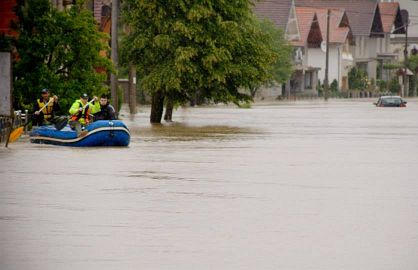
[
  {"x": 362, "y": 49},
  {"x": 269, "y": 92},
  {"x": 316, "y": 58}
]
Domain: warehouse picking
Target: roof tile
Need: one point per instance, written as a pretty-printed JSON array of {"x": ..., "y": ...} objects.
[
  {"x": 305, "y": 16},
  {"x": 360, "y": 12},
  {"x": 275, "y": 10},
  {"x": 388, "y": 13}
]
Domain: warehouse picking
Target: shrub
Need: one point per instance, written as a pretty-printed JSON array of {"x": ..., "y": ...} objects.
[
  {"x": 357, "y": 79},
  {"x": 334, "y": 86},
  {"x": 383, "y": 85},
  {"x": 394, "y": 86}
]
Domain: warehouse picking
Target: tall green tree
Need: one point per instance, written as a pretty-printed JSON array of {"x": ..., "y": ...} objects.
[
  {"x": 213, "y": 49},
  {"x": 413, "y": 65},
  {"x": 281, "y": 67},
  {"x": 59, "y": 50}
]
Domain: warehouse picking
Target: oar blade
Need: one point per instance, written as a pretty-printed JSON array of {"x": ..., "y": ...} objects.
[{"x": 15, "y": 134}]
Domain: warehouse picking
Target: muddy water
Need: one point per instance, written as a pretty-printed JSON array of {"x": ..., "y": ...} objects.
[{"x": 307, "y": 185}]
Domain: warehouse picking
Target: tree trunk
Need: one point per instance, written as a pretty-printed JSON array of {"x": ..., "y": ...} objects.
[
  {"x": 114, "y": 54},
  {"x": 253, "y": 91},
  {"x": 416, "y": 86},
  {"x": 132, "y": 89},
  {"x": 169, "y": 111},
  {"x": 157, "y": 107}
]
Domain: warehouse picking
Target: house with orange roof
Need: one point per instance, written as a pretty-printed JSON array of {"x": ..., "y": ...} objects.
[
  {"x": 392, "y": 25},
  {"x": 372, "y": 23},
  {"x": 308, "y": 35},
  {"x": 313, "y": 44},
  {"x": 359, "y": 36},
  {"x": 306, "y": 31}
]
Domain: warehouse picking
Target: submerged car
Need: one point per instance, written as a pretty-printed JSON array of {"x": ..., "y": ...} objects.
[{"x": 390, "y": 101}]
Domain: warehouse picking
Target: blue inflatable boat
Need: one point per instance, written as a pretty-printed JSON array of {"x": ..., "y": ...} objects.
[{"x": 100, "y": 133}]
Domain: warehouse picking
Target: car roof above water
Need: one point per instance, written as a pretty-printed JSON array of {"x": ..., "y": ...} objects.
[{"x": 390, "y": 97}]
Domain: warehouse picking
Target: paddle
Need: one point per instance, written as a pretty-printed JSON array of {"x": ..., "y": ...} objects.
[
  {"x": 85, "y": 106},
  {"x": 62, "y": 121},
  {"x": 59, "y": 125},
  {"x": 15, "y": 134}
]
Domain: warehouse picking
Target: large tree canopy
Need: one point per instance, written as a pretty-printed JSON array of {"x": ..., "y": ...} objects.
[
  {"x": 216, "y": 49},
  {"x": 59, "y": 50}
]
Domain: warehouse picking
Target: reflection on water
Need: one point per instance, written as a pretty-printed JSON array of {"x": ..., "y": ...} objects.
[
  {"x": 306, "y": 185},
  {"x": 184, "y": 132}
]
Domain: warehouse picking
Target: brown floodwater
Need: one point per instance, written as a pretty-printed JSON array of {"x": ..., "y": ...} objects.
[{"x": 305, "y": 185}]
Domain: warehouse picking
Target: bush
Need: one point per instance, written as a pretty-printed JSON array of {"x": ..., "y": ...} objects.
[
  {"x": 357, "y": 79},
  {"x": 334, "y": 86},
  {"x": 394, "y": 86},
  {"x": 383, "y": 85}
]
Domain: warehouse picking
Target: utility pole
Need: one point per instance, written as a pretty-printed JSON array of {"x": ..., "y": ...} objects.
[
  {"x": 405, "y": 90},
  {"x": 414, "y": 51},
  {"x": 405, "y": 53},
  {"x": 326, "y": 83},
  {"x": 132, "y": 89},
  {"x": 114, "y": 43}
]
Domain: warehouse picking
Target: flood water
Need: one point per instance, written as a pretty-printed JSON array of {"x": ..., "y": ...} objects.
[{"x": 305, "y": 185}]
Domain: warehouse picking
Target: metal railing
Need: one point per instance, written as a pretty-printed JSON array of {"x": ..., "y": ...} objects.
[{"x": 20, "y": 119}]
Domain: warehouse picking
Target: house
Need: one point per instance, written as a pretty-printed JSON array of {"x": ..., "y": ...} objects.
[
  {"x": 369, "y": 28},
  {"x": 283, "y": 14},
  {"x": 280, "y": 12},
  {"x": 340, "y": 44},
  {"x": 392, "y": 24},
  {"x": 398, "y": 42},
  {"x": 305, "y": 36},
  {"x": 306, "y": 30}
]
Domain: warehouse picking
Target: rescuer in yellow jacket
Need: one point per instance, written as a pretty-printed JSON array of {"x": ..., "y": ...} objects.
[
  {"x": 80, "y": 112},
  {"x": 46, "y": 115}
]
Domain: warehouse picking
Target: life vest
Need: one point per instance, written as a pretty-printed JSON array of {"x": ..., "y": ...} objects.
[
  {"x": 83, "y": 114},
  {"x": 48, "y": 110}
]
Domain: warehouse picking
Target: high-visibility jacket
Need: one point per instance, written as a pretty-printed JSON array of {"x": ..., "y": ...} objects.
[
  {"x": 48, "y": 110},
  {"x": 77, "y": 115}
]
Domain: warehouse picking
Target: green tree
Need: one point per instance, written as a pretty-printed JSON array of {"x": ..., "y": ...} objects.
[
  {"x": 59, "y": 50},
  {"x": 394, "y": 86},
  {"x": 413, "y": 65},
  {"x": 214, "y": 50},
  {"x": 281, "y": 68}
]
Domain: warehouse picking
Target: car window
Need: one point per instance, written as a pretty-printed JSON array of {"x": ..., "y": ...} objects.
[{"x": 391, "y": 101}]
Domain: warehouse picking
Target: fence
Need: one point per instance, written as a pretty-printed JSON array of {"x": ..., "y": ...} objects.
[{"x": 19, "y": 119}]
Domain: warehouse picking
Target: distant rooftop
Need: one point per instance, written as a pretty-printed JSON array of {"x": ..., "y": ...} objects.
[
  {"x": 361, "y": 13},
  {"x": 275, "y": 10},
  {"x": 312, "y": 23},
  {"x": 391, "y": 16}
]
